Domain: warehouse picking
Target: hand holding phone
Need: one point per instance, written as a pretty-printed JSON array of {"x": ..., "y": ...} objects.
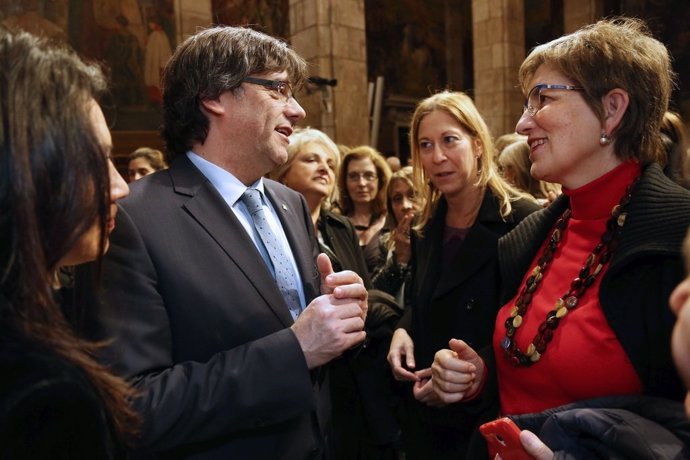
[{"x": 503, "y": 437}]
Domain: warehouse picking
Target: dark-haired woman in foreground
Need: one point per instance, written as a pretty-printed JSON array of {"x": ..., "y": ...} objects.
[{"x": 57, "y": 206}]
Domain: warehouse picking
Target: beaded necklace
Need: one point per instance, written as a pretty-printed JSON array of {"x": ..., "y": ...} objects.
[{"x": 599, "y": 257}]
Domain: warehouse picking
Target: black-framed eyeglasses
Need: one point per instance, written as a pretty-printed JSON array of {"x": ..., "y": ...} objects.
[
  {"x": 534, "y": 100},
  {"x": 280, "y": 87}
]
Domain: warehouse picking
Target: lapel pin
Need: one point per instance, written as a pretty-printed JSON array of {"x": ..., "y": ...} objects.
[{"x": 284, "y": 207}]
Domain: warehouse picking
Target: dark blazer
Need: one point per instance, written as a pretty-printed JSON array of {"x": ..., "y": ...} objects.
[
  {"x": 364, "y": 421},
  {"x": 339, "y": 235},
  {"x": 199, "y": 326},
  {"x": 460, "y": 302}
]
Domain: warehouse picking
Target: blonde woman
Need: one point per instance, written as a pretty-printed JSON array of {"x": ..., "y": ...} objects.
[
  {"x": 514, "y": 164},
  {"x": 358, "y": 387},
  {"x": 453, "y": 288},
  {"x": 310, "y": 169},
  {"x": 144, "y": 161}
]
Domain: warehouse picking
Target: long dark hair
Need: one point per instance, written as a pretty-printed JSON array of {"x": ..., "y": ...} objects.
[{"x": 54, "y": 185}]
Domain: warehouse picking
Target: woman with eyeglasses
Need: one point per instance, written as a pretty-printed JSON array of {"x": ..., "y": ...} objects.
[
  {"x": 584, "y": 332},
  {"x": 453, "y": 286},
  {"x": 362, "y": 182}
]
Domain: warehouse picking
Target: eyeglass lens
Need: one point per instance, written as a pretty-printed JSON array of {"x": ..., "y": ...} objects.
[{"x": 356, "y": 176}]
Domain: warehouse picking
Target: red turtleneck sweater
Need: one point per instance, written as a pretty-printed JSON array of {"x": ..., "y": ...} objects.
[{"x": 585, "y": 359}]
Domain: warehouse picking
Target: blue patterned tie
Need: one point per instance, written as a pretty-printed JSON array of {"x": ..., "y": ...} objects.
[{"x": 284, "y": 274}]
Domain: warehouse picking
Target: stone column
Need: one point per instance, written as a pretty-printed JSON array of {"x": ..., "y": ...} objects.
[
  {"x": 330, "y": 35},
  {"x": 499, "y": 49},
  {"x": 191, "y": 15},
  {"x": 577, "y": 13},
  {"x": 457, "y": 13}
]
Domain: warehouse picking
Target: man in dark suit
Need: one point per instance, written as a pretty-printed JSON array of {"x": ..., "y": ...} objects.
[{"x": 197, "y": 321}]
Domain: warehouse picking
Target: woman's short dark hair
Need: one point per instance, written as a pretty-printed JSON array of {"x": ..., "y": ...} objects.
[
  {"x": 210, "y": 63},
  {"x": 615, "y": 53}
]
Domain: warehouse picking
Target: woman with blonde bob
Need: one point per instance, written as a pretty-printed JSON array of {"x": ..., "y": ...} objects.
[
  {"x": 313, "y": 160},
  {"x": 453, "y": 284},
  {"x": 310, "y": 169},
  {"x": 144, "y": 161}
]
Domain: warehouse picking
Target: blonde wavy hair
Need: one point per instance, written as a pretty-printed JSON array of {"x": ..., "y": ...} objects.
[
  {"x": 461, "y": 108},
  {"x": 299, "y": 139}
]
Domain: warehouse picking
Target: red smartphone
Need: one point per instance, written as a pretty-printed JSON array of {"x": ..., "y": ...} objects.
[{"x": 503, "y": 437}]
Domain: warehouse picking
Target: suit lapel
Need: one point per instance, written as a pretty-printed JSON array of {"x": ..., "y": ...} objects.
[
  {"x": 478, "y": 248},
  {"x": 212, "y": 213}
]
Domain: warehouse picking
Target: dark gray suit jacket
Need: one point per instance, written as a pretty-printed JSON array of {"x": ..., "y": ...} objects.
[{"x": 200, "y": 328}]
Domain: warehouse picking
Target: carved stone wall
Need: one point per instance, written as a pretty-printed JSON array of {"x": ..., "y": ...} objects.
[
  {"x": 499, "y": 49},
  {"x": 330, "y": 34}
]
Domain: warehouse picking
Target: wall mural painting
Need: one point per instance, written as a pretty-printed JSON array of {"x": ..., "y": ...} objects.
[
  {"x": 132, "y": 39},
  {"x": 411, "y": 58},
  {"x": 268, "y": 16}
]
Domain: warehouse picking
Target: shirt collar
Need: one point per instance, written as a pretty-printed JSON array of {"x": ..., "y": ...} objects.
[{"x": 229, "y": 186}]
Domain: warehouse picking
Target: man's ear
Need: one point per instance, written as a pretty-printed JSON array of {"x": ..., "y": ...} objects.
[
  {"x": 615, "y": 104},
  {"x": 213, "y": 106}
]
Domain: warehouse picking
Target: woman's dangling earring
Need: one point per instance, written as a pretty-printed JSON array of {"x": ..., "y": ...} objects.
[{"x": 604, "y": 140}]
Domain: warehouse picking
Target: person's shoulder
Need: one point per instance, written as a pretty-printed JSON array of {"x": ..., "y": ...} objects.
[
  {"x": 27, "y": 370},
  {"x": 523, "y": 207},
  {"x": 655, "y": 181},
  {"x": 148, "y": 188},
  {"x": 50, "y": 406},
  {"x": 36, "y": 382},
  {"x": 338, "y": 220},
  {"x": 659, "y": 196},
  {"x": 278, "y": 188},
  {"x": 526, "y": 205}
]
